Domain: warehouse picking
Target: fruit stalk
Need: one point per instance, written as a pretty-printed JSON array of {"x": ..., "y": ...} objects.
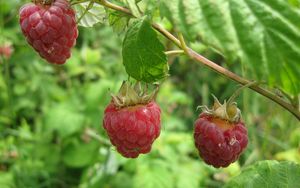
[{"x": 212, "y": 65}]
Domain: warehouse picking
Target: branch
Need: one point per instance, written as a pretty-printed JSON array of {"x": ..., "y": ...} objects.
[
  {"x": 97, "y": 137},
  {"x": 204, "y": 61}
]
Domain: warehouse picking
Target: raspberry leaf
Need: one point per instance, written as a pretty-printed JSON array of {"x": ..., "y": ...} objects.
[
  {"x": 60, "y": 117},
  {"x": 73, "y": 150},
  {"x": 268, "y": 174},
  {"x": 143, "y": 53},
  {"x": 89, "y": 14},
  {"x": 133, "y": 7},
  {"x": 156, "y": 174},
  {"x": 117, "y": 20},
  {"x": 264, "y": 35}
]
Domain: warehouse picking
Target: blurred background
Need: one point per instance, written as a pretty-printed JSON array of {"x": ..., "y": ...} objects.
[{"x": 51, "y": 131}]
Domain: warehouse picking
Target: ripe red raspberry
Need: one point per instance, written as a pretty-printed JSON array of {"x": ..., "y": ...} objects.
[
  {"x": 132, "y": 129},
  {"x": 220, "y": 136},
  {"x": 50, "y": 28}
]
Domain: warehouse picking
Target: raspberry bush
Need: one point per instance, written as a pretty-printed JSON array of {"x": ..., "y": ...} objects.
[{"x": 65, "y": 124}]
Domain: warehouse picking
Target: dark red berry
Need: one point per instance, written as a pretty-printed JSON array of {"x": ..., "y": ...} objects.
[
  {"x": 219, "y": 141},
  {"x": 50, "y": 29},
  {"x": 132, "y": 129}
]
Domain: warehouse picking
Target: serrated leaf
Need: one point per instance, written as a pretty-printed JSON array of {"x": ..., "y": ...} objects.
[
  {"x": 264, "y": 35},
  {"x": 89, "y": 14},
  {"x": 268, "y": 174},
  {"x": 143, "y": 54}
]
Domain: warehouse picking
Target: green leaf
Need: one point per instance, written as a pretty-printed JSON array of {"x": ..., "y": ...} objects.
[
  {"x": 289, "y": 155},
  {"x": 77, "y": 153},
  {"x": 186, "y": 176},
  {"x": 89, "y": 14},
  {"x": 295, "y": 3},
  {"x": 143, "y": 53},
  {"x": 63, "y": 118},
  {"x": 90, "y": 55},
  {"x": 153, "y": 175},
  {"x": 6, "y": 180},
  {"x": 264, "y": 35},
  {"x": 268, "y": 174},
  {"x": 117, "y": 20},
  {"x": 133, "y": 7}
]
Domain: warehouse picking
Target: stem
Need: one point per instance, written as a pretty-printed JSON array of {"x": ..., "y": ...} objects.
[
  {"x": 183, "y": 44},
  {"x": 204, "y": 61},
  {"x": 174, "y": 52},
  {"x": 114, "y": 7},
  {"x": 8, "y": 89},
  {"x": 239, "y": 90},
  {"x": 75, "y": 2},
  {"x": 97, "y": 137},
  {"x": 243, "y": 81},
  {"x": 90, "y": 5}
]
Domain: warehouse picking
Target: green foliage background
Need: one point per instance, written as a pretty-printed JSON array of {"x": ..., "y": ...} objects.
[{"x": 51, "y": 116}]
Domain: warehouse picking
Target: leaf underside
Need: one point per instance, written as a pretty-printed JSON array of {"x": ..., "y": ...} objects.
[
  {"x": 263, "y": 34},
  {"x": 89, "y": 16}
]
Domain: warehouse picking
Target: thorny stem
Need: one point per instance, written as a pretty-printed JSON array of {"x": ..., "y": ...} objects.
[{"x": 204, "y": 61}]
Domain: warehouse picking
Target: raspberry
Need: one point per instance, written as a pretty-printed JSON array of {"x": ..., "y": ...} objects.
[
  {"x": 220, "y": 135},
  {"x": 219, "y": 142},
  {"x": 50, "y": 29},
  {"x": 134, "y": 127}
]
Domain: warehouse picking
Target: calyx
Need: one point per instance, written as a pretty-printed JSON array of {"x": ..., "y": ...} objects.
[
  {"x": 43, "y": 2},
  {"x": 133, "y": 95},
  {"x": 227, "y": 111}
]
